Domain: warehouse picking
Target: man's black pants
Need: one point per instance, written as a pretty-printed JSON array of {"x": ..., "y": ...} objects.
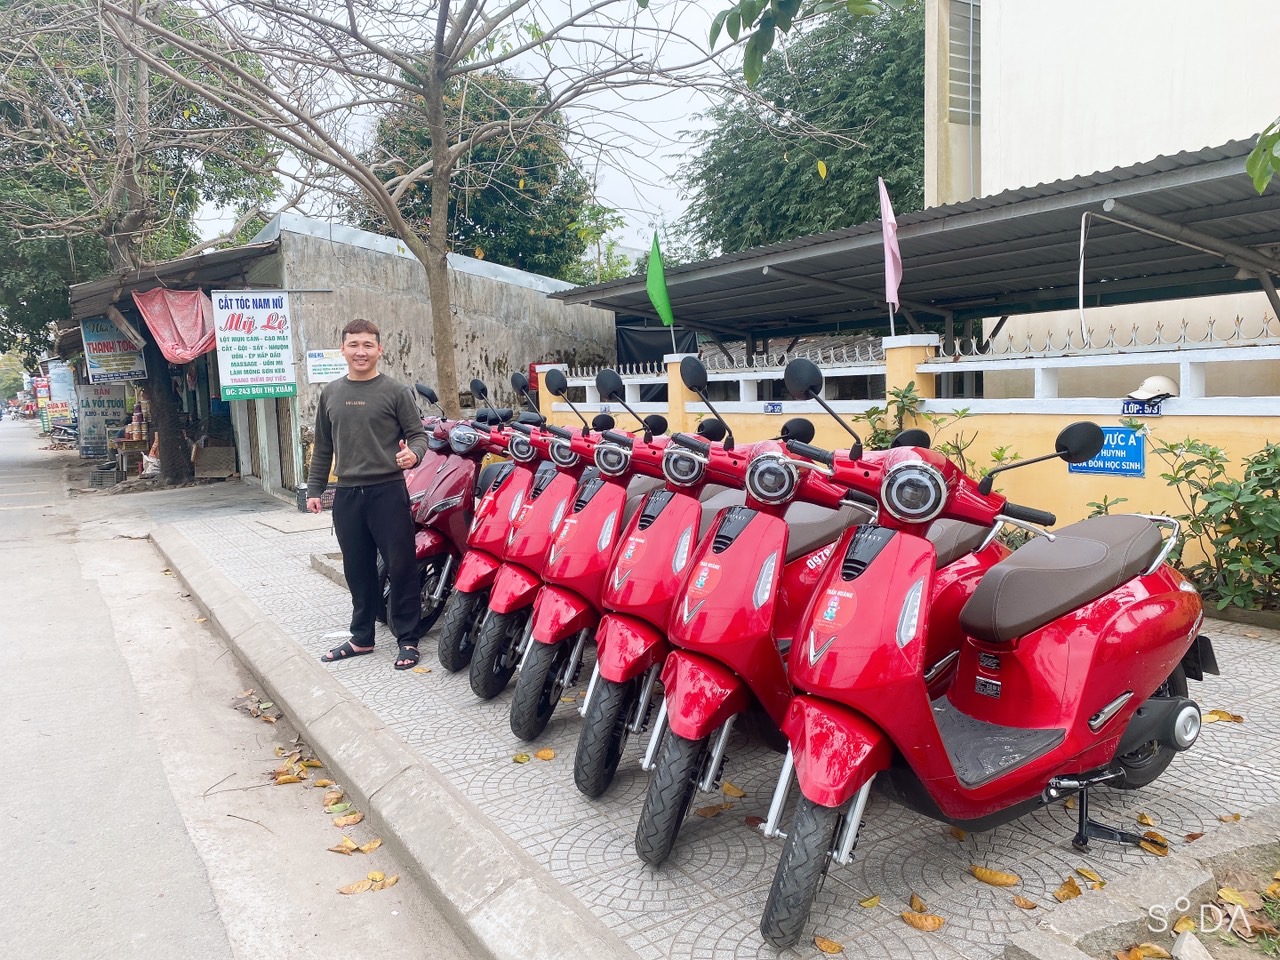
[{"x": 372, "y": 520}]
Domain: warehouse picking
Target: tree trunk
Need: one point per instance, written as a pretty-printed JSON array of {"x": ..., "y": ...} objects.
[
  {"x": 175, "y": 457},
  {"x": 435, "y": 255}
]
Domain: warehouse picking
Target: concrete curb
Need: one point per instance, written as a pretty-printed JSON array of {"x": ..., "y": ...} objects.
[
  {"x": 329, "y": 565},
  {"x": 1097, "y": 924},
  {"x": 493, "y": 892}
]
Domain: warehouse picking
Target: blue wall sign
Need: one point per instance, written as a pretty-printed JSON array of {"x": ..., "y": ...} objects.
[
  {"x": 1140, "y": 408},
  {"x": 1123, "y": 454},
  {"x": 773, "y": 408}
]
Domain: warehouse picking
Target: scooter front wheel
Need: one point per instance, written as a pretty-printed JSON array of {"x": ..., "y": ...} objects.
[
  {"x": 542, "y": 679},
  {"x": 497, "y": 652},
  {"x": 430, "y": 571},
  {"x": 671, "y": 789},
  {"x": 800, "y": 871},
  {"x": 604, "y": 734},
  {"x": 1143, "y": 766},
  {"x": 463, "y": 614},
  {"x": 384, "y": 591}
]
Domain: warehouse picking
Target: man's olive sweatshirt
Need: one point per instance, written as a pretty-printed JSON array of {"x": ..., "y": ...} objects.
[{"x": 359, "y": 426}]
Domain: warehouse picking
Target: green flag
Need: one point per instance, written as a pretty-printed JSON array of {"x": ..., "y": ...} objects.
[{"x": 655, "y": 284}]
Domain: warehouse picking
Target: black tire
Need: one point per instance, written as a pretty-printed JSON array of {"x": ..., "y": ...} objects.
[
  {"x": 384, "y": 591},
  {"x": 497, "y": 652},
  {"x": 463, "y": 613},
  {"x": 429, "y": 571},
  {"x": 604, "y": 735},
  {"x": 670, "y": 792},
  {"x": 1144, "y": 765},
  {"x": 542, "y": 679},
  {"x": 799, "y": 874}
]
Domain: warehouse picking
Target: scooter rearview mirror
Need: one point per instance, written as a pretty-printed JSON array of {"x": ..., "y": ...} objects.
[
  {"x": 1080, "y": 441},
  {"x": 602, "y": 422},
  {"x": 519, "y": 382},
  {"x": 803, "y": 379},
  {"x": 694, "y": 374},
  {"x": 610, "y": 386},
  {"x": 799, "y": 429},
  {"x": 915, "y": 437},
  {"x": 655, "y": 423},
  {"x": 556, "y": 381},
  {"x": 426, "y": 392},
  {"x": 479, "y": 390},
  {"x": 712, "y": 429}
]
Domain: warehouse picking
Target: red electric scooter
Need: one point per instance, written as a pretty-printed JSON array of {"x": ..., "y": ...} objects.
[
  {"x": 567, "y": 609},
  {"x": 500, "y": 500},
  {"x": 534, "y": 520},
  {"x": 1073, "y": 671}
]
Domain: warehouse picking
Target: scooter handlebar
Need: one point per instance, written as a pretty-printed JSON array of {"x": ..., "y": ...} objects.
[
  {"x": 809, "y": 451},
  {"x": 561, "y": 432},
  {"x": 521, "y": 427},
  {"x": 692, "y": 443},
  {"x": 1017, "y": 511},
  {"x": 621, "y": 439}
]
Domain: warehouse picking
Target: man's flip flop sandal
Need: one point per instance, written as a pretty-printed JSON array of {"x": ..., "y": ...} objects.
[
  {"x": 408, "y": 658},
  {"x": 343, "y": 651}
]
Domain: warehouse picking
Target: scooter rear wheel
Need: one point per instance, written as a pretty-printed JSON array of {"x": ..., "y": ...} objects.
[
  {"x": 1143, "y": 766},
  {"x": 671, "y": 789},
  {"x": 384, "y": 591},
  {"x": 800, "y": 871},
  {"x": 604, "y": 735},
  {"x": 463, "y": 614},
  {"x": 497, "y": 652},
  {"x": 429, "y": 573},
  {"x": 538, "y": 687}
]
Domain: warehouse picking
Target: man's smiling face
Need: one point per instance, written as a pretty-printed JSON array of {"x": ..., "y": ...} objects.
[{"x": 362, "y": 352}]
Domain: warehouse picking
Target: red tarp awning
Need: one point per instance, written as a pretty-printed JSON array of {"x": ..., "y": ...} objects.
[{"x": 181, "y": 320}]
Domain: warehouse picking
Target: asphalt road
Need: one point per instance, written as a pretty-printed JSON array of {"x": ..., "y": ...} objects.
[{"x": 135, "y": 819}]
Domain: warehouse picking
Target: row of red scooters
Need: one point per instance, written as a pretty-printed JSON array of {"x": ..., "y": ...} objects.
[{"x": 858, "y": 609}]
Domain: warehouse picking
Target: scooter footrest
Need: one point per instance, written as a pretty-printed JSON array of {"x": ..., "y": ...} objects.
[{"x": 981, "y": 751}]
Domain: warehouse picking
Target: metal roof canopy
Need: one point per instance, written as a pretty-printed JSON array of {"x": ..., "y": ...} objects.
[{"x": 1171, "y": 228}]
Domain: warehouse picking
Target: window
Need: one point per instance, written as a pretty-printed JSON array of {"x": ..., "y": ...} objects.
[{"x": 964, "y": 56}]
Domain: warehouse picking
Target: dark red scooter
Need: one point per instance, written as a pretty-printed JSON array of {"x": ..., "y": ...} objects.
[
  {"x": 568, "y": 606},
  {"x": 1073, "y": 671}
]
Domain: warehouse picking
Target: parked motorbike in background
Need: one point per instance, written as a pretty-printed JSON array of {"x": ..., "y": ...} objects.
[{"x": 1072, "y": 672}]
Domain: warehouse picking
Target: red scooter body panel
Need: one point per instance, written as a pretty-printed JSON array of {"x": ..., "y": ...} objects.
[
  {"x": 646, "y": 569},
  {"x": 534, "y": 524},
  {"x": 476, "y": 571},
  {"x": 428, "y": 542},
  {"x": 582, "y": 548},
  {"x": 717, "y": 613},
  {"x": 836, "y": 750},
  {"x": 559, "y": 613},
  {"x": 446, "y": 477},
  {"x": 799, "y": 579},
  {"x": 701, "y": 694},
  {"x": 953, "y": 585},
  {"x": 627, "y": 646},
  {"x": 497, "y": 508},
  {"x": 514, "y": 588}
]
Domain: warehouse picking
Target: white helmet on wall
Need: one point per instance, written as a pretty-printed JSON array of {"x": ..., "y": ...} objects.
[{"x": 1155, "y": 388}]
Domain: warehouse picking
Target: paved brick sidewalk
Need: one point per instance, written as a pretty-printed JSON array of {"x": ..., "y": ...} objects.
[{"x": 706, "y": 901}]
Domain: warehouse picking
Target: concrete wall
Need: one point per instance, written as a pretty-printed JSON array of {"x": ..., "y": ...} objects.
[{"x": 952, "y": 153}]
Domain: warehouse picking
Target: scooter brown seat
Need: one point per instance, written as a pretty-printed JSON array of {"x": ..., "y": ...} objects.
[
  {"x": 810, "y": 526},
  {"x": 715, "y": 498},
  {"x": 1045, "y": 578},
  {"x": 952, "y": 539}
]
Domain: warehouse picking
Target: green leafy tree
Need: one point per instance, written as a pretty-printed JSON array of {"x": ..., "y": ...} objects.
[
  {"x": 515, "y": 200},
  {"x": 1264, "y": 160},
  {"x": 10, "y": 375},
  {"x": 842, "y": 105}
]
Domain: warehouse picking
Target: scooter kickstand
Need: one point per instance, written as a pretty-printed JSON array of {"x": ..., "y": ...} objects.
[{"x": 1092, "y": 830}]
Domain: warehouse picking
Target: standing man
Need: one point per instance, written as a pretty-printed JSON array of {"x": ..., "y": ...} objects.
[{"x": 368, "y": 429}]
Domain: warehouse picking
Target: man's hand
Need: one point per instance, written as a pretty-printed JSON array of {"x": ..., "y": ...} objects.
[
  {"x": 405, "y": 458},
  {"x": 314, "y": 505}
]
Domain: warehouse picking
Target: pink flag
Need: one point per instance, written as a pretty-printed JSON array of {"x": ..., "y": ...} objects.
[{"x": 892, "y": 257}]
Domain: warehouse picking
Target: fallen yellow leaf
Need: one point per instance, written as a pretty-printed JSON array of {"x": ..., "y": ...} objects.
[
  {"x": 928, "y": 922},
  {"x": 1147, "y": 820},
  {"x": 376, "y": 876},
  {"x": 1098, "y": 886},
  {"x": 202, "y": 619},
  {"x": 287, "y": 778},
  {"x": 323, "y": 783},
  {"x": 1230, "y": 817},
  {"x": 828, "y": 946},
  {"x": 421, "y": 669},
  {"x": 958, "y": 833},
  {"x": 348, "y": 844},
  {"x": 1152, "y": 950},
  {"x": 870, "y": 902},
  {"x": 1183, "y": 924},
  {"x": 1069, "y": 803},
  {"x": 713, "y": 810},
  {"x": 522, "y": 758},
  {"x": 332, "y": 797},
  {"x": 546, "y": 753},
  {"x": 1155, "y": 843},
  {"x": 1273, "y": 891},
  {"x": 371, "y": 846},
  {"x": 1192, "y": 837},
  {"x": 360, "y": 886},
  {"x": 314, "y": 764},
  {"x": 997, "y": 878},
  {"x": 1068, "y": 891},
  {"x": 391, "y": 881},
  {"x": 279, "y": 751},
  {"x": 1088, "y": 874},
  {"x": 1231, "y": 895},
  {"x": 733, "y": 790},
  {"x": 918, "y": 905},
  {"x": 1254, "y": 636},
  {"x": 350, "y": 820},
  {"x": 340, "y": 849},
  {"x": 1024, "y": 903}
]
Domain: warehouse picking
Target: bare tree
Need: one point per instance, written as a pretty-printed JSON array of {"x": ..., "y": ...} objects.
[{"x": 329, "y": 67}]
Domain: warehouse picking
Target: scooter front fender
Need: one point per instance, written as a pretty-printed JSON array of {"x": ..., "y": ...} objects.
[
  {"x": 476, "y": 572},
  {"x": 559, "y": 613},
  {"x": 429, "y": 543},
  {"x": 626, "y": 647},
  {"x": 835, "y": 750},
  {"x": 514, "y": 588},
  {"x": 701, "y": 694}
]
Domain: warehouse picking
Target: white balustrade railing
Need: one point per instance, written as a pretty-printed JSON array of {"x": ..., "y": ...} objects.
[{"x": 1183, "y": 334}]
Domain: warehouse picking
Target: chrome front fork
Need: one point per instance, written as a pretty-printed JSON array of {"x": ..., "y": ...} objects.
[
  {"x": 850, "y": 824},
  {"x": 437, "y": 595}
]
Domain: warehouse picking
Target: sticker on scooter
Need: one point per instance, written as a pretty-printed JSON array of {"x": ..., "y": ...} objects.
[
  {"x": 518, "y": 521},
  {"x": 704, "y": 579},
  {"x": 838, "y": 608},
  {"x": 563, "y": 535},
  {"x": 988, "y": 688},
  {"x": 631, "y": 553}
]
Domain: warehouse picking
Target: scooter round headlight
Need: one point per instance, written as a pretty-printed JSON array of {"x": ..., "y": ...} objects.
[
  {"x": 913, "y": 492},
  {"x": 520, "y": 448},
  {"x": 681, "y": 468},
  {"x": 612, "y": 460},
  {"x": 562, "y": 454},
  {"x": 770, "y": 479},
  {"x": 463, "y": 439}
]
